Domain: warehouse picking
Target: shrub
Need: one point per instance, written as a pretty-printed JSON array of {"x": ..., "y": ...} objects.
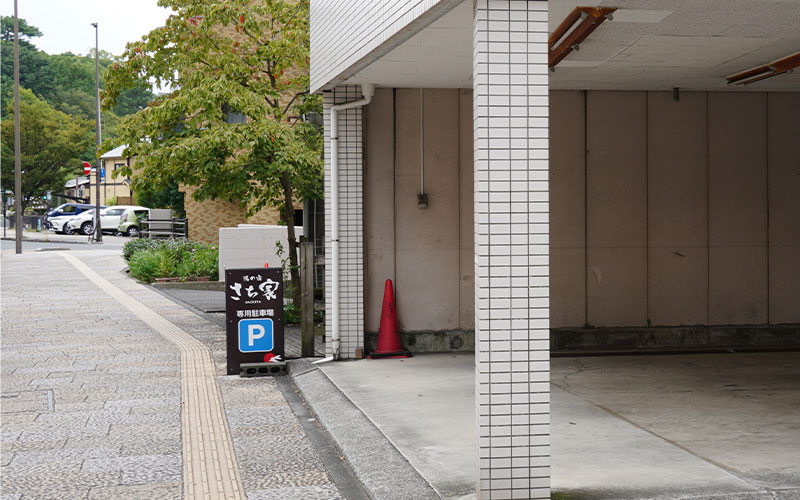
[
  {"x": 147, "y": 265},
  {"x": 150, "y": 259},
  {"x": 291, "y": 314},
  {"x": 137, "y": 244}
]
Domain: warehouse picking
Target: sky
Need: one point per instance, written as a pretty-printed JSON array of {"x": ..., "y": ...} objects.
[{"x": 66, "y": 24}]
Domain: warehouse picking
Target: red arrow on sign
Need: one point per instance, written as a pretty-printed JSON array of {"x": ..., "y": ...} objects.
[{"x": 87, "y": 168}]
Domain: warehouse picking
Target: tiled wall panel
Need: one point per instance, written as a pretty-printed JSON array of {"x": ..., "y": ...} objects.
[
  {"x": 510, "y": 103},
  {"x": 351, "y": 223}
]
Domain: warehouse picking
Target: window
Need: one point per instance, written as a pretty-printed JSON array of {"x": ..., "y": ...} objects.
[{"x": 232, "y": 116}]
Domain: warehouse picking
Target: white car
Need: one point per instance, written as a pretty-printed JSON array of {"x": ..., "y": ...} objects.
[
  {"x": 109, "y": 219},
  {"x": 56, "y": 219}
]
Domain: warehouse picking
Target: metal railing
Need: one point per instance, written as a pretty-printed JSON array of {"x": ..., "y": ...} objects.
[{"x": 164, "y": 229}]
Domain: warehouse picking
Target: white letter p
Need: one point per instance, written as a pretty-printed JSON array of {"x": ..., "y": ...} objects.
[{"x": 252, "y": 335}]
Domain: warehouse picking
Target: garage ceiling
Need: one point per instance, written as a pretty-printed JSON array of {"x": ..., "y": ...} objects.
[{"x": 650, "y": 45}]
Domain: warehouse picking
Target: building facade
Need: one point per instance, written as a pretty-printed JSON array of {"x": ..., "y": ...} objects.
[{"x": 624, "y": 197}]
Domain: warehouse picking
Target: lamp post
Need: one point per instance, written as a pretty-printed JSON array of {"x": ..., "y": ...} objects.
[
  {"x": 17, "y": 142},
  {"x": 98, "y": 230}
]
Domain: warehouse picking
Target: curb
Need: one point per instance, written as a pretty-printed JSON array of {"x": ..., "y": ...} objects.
[
  {"x": 44, "y": 240},
  {"x": 212, "y": 286},
  {"x": 383, "y": 472}
]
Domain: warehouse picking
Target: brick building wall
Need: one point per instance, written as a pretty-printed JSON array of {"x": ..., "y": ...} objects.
[{"x": 207, "y": 216}]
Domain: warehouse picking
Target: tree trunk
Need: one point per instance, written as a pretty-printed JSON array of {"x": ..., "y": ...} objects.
[{"x": 294, "y": 267}]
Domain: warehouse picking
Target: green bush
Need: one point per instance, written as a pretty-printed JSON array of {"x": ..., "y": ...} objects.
[
  {"x": 291, "y": 314},
  {"x": 147, "y": 265},
  {"x": 137, "y": 244},
  {"x": 150, "y": 259}
]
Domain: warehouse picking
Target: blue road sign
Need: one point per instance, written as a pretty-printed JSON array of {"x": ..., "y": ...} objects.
[
  {"x": 103, "y": 173},
  {"x": 256, "y": 335}
]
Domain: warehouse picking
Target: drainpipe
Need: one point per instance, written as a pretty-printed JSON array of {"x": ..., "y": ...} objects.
[{"x": 367, "y": 90}]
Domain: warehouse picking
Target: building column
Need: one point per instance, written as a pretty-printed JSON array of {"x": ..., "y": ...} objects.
[
  {"x": 512, "y": 367},
  {"x": 351, "y": 225}
]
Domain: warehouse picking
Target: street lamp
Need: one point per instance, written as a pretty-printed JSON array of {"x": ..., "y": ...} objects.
[
  {"x": 17, "y": 142},
  {"x": 98, "y": 230}
]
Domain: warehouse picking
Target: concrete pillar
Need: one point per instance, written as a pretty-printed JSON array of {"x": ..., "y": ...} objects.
[
  {"x": 351, "y": 226},
  {"x": 510, "y": 82}
]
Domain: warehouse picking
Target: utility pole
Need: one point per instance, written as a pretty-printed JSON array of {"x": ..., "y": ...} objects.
[
  {"x": 98, "y": 229},
  {"x": 17, "y": 141}
]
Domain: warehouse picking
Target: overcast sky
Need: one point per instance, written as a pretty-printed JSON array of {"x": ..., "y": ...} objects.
[{"x": 66, "y": 24}]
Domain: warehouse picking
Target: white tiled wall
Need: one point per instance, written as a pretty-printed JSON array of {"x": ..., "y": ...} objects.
[
  {"x": 351, "y": 226},
  {"x": 342, "y": 32},
  {"x": 512, "y": 248}
]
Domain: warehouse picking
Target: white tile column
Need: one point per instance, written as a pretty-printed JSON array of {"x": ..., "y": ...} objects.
[
  {"x": 351, "y": 225},
  {"x": 510, "y": 82}
]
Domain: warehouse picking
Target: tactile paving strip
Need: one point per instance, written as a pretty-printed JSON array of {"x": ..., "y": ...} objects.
[{"x": 210, "y": 470}]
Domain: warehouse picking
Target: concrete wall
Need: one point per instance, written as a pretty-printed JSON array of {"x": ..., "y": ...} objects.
[
  {"x": 427, "y": 252},
  {"x": 251, "y": 246},
  {"x": 663, "y": 213},
  {"x": 689, "y": 214}
]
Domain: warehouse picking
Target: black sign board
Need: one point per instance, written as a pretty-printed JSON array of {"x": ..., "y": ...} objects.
[{"x": 254, "y": 316}]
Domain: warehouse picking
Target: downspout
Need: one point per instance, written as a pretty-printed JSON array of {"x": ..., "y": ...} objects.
[{"x": 367, "y": 90}]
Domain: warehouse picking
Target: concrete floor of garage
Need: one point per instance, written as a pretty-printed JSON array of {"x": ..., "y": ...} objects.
[{"x": 623, "y": 427}]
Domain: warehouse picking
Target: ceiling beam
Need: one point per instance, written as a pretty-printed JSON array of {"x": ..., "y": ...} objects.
[
  {"x": 588, "y": 19},
  {"x": 775, "y": 68}
]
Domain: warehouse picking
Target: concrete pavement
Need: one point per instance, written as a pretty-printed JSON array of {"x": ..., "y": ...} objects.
[
  {"x": 722, "y": 426},
  {"x": 97, "y": 400}
]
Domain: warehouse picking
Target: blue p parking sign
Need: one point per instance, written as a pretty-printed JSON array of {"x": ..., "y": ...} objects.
[
  {"x": 256, "y": 335},
  {"x": 253, "y": 316}
]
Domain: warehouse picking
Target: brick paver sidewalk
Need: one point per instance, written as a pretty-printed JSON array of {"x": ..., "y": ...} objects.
[{"x": 94, "y": 397}]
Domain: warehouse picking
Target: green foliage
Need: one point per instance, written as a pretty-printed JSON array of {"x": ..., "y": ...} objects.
[
  {"x": 137, "y": 244},
  {"x": 26, "y": 31},
  {"x": 169, "y": 197},
  {"x": 291, "y": 314},
  {"x": 148, "y": 265},
  {"x": 150, "y": 259},
  {"x": 51, "y": 146},
  {"x": 234, "y": 56},
  {"x": 66, "y": 81}
]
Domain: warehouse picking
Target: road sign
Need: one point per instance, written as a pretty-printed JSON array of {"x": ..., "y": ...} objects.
[
  {"x": 253, "y": 316},
  {"x": 256, "y": 335},
  {"x": 103, "y": 173},
  {"x": 87, "y": 168}
]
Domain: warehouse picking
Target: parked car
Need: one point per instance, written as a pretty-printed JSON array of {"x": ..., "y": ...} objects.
[
  {"x": 129, "y": 221},
  {"x": 56, "y": 219},
  {"x": 109, "y": 219}
]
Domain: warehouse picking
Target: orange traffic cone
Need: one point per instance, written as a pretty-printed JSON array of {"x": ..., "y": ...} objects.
[{"x": 389, "y": 343}]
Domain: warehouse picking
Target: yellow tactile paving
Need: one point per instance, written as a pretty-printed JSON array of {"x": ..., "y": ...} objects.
[{"x": 210, "y": 470}]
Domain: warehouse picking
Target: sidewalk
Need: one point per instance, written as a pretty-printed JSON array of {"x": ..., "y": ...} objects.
[{"x": 103, "y": 395}]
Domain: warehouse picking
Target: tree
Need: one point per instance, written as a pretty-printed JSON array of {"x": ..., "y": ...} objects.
[
  {"x": 169, "y": 197},
  {"x": 65, "y": 81},
  {"x": 26, "y": 31},
  {"x": 51, "y": 145},
  {"x": 222, "y": 57}
]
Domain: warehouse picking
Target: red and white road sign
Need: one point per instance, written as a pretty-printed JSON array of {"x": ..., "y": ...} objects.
[{"x": 87, "y": 168}]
